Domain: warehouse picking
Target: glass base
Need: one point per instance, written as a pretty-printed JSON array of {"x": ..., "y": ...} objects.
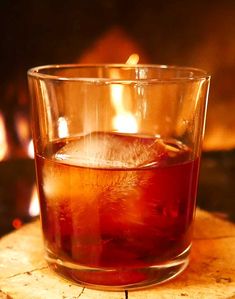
[{"x": 122, "y": 278}]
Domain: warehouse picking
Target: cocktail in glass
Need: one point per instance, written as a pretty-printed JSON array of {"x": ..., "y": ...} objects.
[{"x": 117, "y": 157}]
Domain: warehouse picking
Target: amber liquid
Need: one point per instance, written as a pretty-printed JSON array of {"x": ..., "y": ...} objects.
[{"x": 118, "y": 218}]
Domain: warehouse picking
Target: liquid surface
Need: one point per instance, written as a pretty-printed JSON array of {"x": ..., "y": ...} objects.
[{"x": 112, "y": 200}]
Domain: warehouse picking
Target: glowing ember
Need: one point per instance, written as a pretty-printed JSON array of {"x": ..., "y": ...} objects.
[
  {"x": 3, "y": 139},
  {"x": 16, "y": 223},
  {"x": 34, "y": 209}
]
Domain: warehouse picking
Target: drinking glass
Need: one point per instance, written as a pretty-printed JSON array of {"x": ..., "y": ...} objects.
[{"x": 117, "y": 150}]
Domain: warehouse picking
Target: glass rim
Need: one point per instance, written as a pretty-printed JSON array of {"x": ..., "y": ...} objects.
[{"x": 194, "y": 74}]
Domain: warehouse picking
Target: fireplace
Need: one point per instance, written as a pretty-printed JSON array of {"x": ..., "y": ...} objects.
[{"x": 198, "y": 33}]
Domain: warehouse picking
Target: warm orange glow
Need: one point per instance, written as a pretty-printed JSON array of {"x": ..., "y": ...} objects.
[
  {"x": 34, "y": 209},
  {"x": 220, "y": 138},
  {"x": 62, "y": 127},
  {"x": 31, "y": 149},
  {"x": 3, "y": 139},
  {"x": 123, "y": 121},
  {"x": 22, "y": 128},
  {"x": 133, "y": 59},
  {"x": 99, "y": 51},
  {"x": 16, "y": 223}
]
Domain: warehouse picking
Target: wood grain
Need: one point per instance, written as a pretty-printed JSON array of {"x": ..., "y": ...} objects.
[{"x": 211, "y": 274}]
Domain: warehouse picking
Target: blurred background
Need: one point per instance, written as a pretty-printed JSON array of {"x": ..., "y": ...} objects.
[{"x": 191, "y": 33}]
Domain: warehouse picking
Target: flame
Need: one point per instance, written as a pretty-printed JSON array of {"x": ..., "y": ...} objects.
[
  {"x": 22, "y": 129},
  {"x": 31, "y": 149},
  {"x": 133, "y": 59},
  {"x": 34, "y": 209},
  {"x": 3, "y": 139},
  {"x": 124, "y": 121},
  {"x": 63, "y": 127}
]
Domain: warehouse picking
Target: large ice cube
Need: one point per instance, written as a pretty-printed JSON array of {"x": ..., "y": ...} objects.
[
  {"x": 112, "y": 150},
  {"x": 117, "y": 192},
  {"x": 105, "y": 174}
]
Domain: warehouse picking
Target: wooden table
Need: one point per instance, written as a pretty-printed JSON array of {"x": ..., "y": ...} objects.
[{"x": 211, "y": 273}]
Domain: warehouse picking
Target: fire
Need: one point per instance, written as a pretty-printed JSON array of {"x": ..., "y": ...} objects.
[
  {"x": 31, "y": 149},
  {"x": 22, "y": 129},
  {"x": 133, "y": 59},
  {"x": 124, "y": 121},
  {"x": 34, "y": 209},
  {"x": 3, "y": 139},
  {"x": 62, "y": 127}
]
